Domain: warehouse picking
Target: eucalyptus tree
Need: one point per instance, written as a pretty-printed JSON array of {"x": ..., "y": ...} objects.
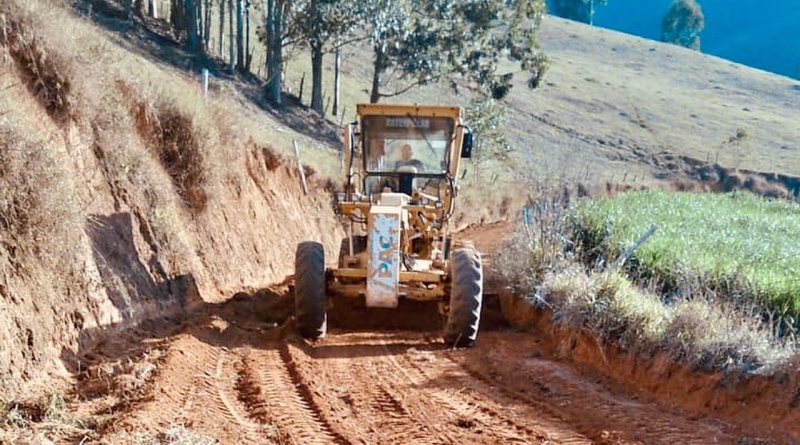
[
  {"x": 388, "y": 27},
  {"x": 319, "y": 24},
  {"x": 273, "y": 34},
  {"x": 184, "y": 16},
  {"x": 461, "y": 42},
  {"x": 683, "y": 23},
  {"x": 240, "y": 49}
]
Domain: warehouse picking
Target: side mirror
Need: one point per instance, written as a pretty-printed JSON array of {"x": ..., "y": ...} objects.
[{"x": 466, "y": 145}]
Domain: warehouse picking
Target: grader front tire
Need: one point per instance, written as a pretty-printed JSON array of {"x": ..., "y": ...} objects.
[
  {"x": 309, "y": 290},
  {"x": 466, "y": 296}
]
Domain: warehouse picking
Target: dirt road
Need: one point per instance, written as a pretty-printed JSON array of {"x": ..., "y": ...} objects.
[
  {"x": 234, "y": 377},
  {"x": 236, "y": 373}
]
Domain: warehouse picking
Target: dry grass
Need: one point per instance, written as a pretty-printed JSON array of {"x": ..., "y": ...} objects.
[
  {"x": 39, "y": 222},
  {"x": 45, "y": 420},
  {"x": 155, "y": 135},
  {"x": 39, "y": 218},
  {"x": 174, "y": 435},
  {"x": 125, "y": 380},
  {"x": 45, "y": 76}
]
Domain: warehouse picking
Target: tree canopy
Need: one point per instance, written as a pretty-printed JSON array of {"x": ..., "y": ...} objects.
[
  {"x": 683, "y": 23},
  {"x": 457, "y": 41}
]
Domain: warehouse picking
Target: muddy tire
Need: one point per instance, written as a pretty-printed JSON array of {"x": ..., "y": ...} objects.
[
  {"x": 309, "y": 290},
  {"x": 466, "y": 296}
]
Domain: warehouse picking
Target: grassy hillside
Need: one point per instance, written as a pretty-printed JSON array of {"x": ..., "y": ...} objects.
[{"x": 612, "y": 108}]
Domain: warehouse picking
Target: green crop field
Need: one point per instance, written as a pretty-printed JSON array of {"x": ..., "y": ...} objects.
[{"x": 740, "y": 245}]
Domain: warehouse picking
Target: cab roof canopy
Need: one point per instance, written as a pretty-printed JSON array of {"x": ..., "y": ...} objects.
[{"x": 409, "y": 110}]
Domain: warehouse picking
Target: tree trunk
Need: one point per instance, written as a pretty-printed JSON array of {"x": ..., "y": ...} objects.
[
  {"x": 248, "y": 55},
  {"x": 337, "y": 64},
  {"x": 138, "y": 7},
  {"x": 275, "y": 14},
  {"x": 207, "y": 26},
  {"x": 221, "y": 27},
  {"x": 379, "y": 66},
  {"x": 316, "y": 76},
  {"x": 128, "y": 10},
  {"x": 231, "y": 38},
  {"x": 198, "y": 14},
  {"x": 240, "y": 35},
  {"x": 192, "y": 33},
  {"x": 177, "y": 15}
]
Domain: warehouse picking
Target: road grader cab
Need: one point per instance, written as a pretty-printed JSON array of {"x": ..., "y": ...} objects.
[{"x": 401, "y": 164}]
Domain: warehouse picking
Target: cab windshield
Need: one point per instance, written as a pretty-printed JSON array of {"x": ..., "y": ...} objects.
[{"x": 409, "y": 144}]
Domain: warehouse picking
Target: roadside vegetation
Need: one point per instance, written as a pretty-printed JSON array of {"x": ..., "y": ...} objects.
[
  {"x": 715, "y": 286},
  {"x": 41, "y": 421}
]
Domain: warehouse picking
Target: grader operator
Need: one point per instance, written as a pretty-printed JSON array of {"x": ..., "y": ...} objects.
[{"x": 401, "y": 164}]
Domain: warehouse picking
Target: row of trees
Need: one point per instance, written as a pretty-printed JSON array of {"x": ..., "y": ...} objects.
[
  {"x": 414, "y": 42},
  {"x": 194, "y": 18},
  {"x": 419, "y": 41}
]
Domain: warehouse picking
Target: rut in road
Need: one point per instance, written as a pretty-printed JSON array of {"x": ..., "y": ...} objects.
[
  {"x": 365, "y": 398},
  {"x": 452, "y": 388},
  {"x": 224, "y": 400},
  {"x": 282, "y": 398},
  {"x": 385, "y": 397}
]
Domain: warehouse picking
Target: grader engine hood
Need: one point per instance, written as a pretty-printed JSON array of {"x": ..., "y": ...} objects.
[{"x": 383, "y": 250}]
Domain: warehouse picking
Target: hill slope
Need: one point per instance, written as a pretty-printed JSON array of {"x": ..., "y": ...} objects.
[
  {"x": 623, "y": 102},
  {"x": 619, "y": 108},
  {"x": 127, "y": 197}
]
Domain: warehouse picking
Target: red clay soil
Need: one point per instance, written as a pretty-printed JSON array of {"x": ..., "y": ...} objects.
[
  {"x": 238, "y": 380},
  {"x": 237, "y": 373}
]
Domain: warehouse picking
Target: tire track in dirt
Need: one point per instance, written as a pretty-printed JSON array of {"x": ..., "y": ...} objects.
[
  {"x": 193, "y": 389},
  {"x": 361, "y": 400},
  {"x": 277, "y": 394},
  {"x": 225, "y": 392},
  {"x": 454, "y": 390},
  {"x": 556, "y": 390},
  {"x": 212, "y": 395}
]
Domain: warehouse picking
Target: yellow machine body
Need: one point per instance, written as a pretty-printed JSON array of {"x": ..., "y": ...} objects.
[{"x": 401, "y": 164}]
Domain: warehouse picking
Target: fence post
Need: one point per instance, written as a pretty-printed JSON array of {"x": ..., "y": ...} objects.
[
  {"x": 205, "y": 83},
  {"x": 300, "y": 166},
  {"x": 629, "y": 251}
]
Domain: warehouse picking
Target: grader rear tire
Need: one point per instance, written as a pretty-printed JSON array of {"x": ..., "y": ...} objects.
[
  {"x": 466, "y": 296},
  {"x": 309, "y": 290}
]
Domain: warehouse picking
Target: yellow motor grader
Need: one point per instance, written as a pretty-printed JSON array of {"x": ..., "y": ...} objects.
[{"x": 401, "y": 163}]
